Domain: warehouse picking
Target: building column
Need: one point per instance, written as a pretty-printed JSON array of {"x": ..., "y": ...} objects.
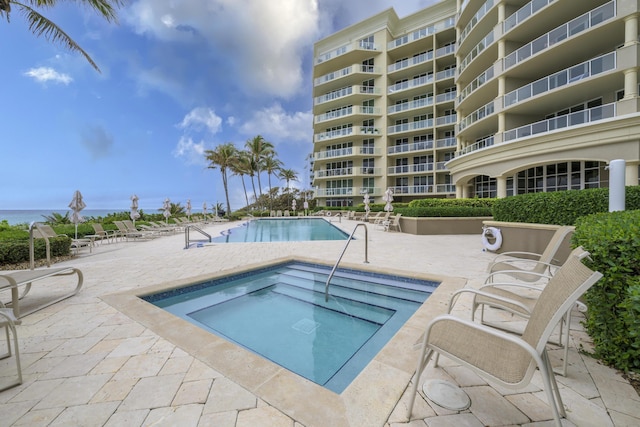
[
  {"x": 630, "y": 30},
  {"x": 631, "y": 174},
  {"x": 501, "y": 183},
  {"x": 630, "y": 83},
  {"x": 461, "y": 191}
]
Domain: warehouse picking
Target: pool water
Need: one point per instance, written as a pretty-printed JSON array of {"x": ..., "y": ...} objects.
[
  {"x": 282, "y": 230},
  {"x": 280, "y": 313}
]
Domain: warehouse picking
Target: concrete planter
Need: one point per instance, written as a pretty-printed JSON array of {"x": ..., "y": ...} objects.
[{"x": 443, "y": 225}]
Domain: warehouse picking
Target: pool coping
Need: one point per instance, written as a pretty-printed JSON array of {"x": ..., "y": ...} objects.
[{"x": 368, "y": 400}]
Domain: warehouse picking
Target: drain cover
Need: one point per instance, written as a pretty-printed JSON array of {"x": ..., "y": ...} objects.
[
  {"x": 447, "y": 395},
  {"x": 306, "y": 326}
]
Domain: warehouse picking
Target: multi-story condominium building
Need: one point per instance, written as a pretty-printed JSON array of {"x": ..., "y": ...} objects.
[{"x": 478, "y": 98}]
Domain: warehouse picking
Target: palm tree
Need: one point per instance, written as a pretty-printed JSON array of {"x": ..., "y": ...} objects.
[
  {"x": 222, "y": 157},
  {"x": 259, "y": 149},
  {"x": 41, "y": 26},
  {"x": 288, "y": 175},
  {"x": 241, "y": 166},
  {"x": 271, "y": 165}
]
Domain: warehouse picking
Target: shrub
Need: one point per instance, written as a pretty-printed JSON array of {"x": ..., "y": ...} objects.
[
  {"x": 445, "y": 211},
  {"x": 14, "y": 251},
  {"x": 472, "y": 203},
  {"x": 559, "y": 208},
  {"x": 613, "y": 319}
]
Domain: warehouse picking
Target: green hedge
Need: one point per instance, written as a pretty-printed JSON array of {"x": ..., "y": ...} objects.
[
  {"x": 559, "y": 208},
  {"x": 471, "y": 203},
  {"x": 444, "y": 211},
  {"x": 613, "y": 317},
  {"x": 13, "y": 251}
]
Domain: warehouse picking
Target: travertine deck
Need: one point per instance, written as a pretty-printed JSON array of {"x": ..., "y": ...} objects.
[{"x": 99, "y": 359}]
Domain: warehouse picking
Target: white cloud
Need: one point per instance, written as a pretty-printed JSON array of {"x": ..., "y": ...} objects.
[
  {"x": 47, "y": 74},
  {"x": 192, "y": 152},
  {"x": 202, "y": 117},
  {"x": 262, "y": 42},
  {"x": 278, "y": 125}
]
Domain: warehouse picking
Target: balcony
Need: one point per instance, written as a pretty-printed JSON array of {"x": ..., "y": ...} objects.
[
  {"x": 352, "y": 110},
  {"x": 446, "y": 143},
  {"x": 449, "y": 49},
  {"x": 446, "y": 74},
  {"x": 446, "y": 97},
  {"x": 407, "y": 127},
  {"x": 409, "y": 148},
  {"x": 524, "y": 13},
  {"x": 476, "y": 18},
  {"x": 333, "y": 172},
  {"x": 411, "y": 105},
  {"x": 479, "y": 48},
  {"x": 571, "y": 75},
  {"x": 410, "y": 62},
  {"x": 412, "y": 189},
  {"x": 406, "y": 169},
  {"x": 344, "y": 92},
  {"x": 347, "y": 191},
  {"x": 476, "y": 83},
  {"x": 410, "y": 84},
  {"x": 422, "y": 33},
  {"x": 479, "y": 114},
  {"x": 478, "y": 145},
  {"x": 331, "y": 154},
  {"x": 575, "y": 26},
  {"x": 446, "y": 120},
  {"x": 333, "y": 134},
  {"x": 445, "y": 188},
  {"x": 352, "y": 69},
  {"x": 357, "y": 45},
  {"x": 574, "y": 119}
]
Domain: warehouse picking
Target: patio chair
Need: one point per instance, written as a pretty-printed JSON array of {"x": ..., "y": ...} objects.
[
  {"x": 529, "y": 266},
  {"x": 47, "y": 232},
  {"x": 9, "y": 322},
  {"x": 503, "y": 358},
  {"x": 395, "y": 224},
  {"x": 376, "y": 217},
  {"x": 102, "y": 234}
]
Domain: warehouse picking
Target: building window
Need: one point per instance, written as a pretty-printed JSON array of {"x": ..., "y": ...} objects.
[
  {"x": 485, "y": 187},
  {"x": 556, "y": 177}
]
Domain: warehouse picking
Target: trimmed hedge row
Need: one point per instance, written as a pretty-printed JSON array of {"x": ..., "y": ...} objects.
[
  {"x": 16, "y": 251},
  {"x": 472, "y": 203},
  {"x": 444, "y": 211},
  {"x": 561, "y": 207},
  {"x": 613, "y": 318}
]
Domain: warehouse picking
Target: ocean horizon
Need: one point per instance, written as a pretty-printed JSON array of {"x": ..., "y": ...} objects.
[{"x": 27, "y": 216}]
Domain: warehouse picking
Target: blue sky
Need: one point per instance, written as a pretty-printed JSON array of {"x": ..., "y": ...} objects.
[{"x": 178, "y": 77}]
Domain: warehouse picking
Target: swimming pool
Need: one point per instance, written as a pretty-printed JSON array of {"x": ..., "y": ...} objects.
[
  {"x": 279, "y": 313},
  {"x": 292, "y": 229}
]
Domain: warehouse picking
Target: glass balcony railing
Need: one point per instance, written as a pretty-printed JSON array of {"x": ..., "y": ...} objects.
[
  {"x": 478, "y": 145},
  {"x": 333, "y": 172},
  {"x": 575, "y": 26},
  {"x": 562, "y": 78},
  {"x": 479, "y": 114},
  {"x": 369, "y": 171},
  {"x": 341, "y": 191},
  {"x": 523, "y": 13},
  {"x": 412, "y": 189},
  {"x": 446, "y": 120},
  {"x": 410, "y": 62},
  {"x": 328, "y": 154},
  {"x": 477, "y": 82},
  {"x": 446, "y": 74},
  {"x": 444, "y": 97},
  {"x": 484, "y": 43},
  {"x": 406, "y": 127},
  {"x": 352, "y": 69},
  {"x": 340, "y": 93},
  {"x": 358, "y": 45},
  {"x": 411, "y": 105},
  {"x": 446, "y": 143},
  {"x": 347, "y": 111},
  {"x": 474, "y": 21},
  {"x": 422, "y": 33},
  {"x": 445, "y": 188},
  {"x": 569, "y": 120},
  {"x": 333, "y": 134},
  {"x": 441, "y": 166},
  {"x": 446, "y": 50},
  {"x": 409, "y": 84},
  {"x": 408, "y": 148}
]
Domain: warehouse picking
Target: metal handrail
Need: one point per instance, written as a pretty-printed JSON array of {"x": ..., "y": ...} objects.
[
  {"x": 187, "y": 240},
  {"x": 366, "y": 255}
]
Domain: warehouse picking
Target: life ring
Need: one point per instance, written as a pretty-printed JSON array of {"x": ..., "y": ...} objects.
[
  {"x": 493, "y": 233},
  {"x": 328, "y": 213}
]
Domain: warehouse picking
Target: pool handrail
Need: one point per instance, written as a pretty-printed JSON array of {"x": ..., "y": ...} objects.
[
  {"x": 187, "y": 240},
  {"x": 366, "y": 256}
]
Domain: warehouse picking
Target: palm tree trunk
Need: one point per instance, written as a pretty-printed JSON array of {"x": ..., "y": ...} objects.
[
  {"x": 244, "y": 188},
  {"x": 226, "y": 191},
  {"x": 270, "y": 196},
  {"x": 253, "y": 184}
]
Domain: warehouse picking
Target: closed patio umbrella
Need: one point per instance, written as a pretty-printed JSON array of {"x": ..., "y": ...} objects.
[
  {"x": 188, "y": 209},
  {"x": 76, "y": 206},
  {"x": 204, "y": 210},
  {"x": 166, "y": 206},
  {"x": 134, "y": 214},
  {"x": 367, "y": 208},
  {"x": 293, "y": 205},
  {"x": 388, "y": 197}
]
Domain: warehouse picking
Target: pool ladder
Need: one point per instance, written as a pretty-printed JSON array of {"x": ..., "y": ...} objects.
[
  {"x": 187, "y": 239},
  {"x": 366, "y": 256}
]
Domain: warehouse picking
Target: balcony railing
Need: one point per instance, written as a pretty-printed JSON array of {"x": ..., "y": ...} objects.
[
  {"x": 441, "y": 166},
  {"x": 411, "y": 105},
  {"x": 328, "y": 154},
  {"x": 406, "y": 127},
  {"x": 346, "y": 91},
  {"x": 444, "y": 97},
  {"x": 445, "y": 188},
  {"x": 333, "y": 172},
  {"x": 446, "y": 142},
  {"x": 523, "y": 13},
  {"x": 344, "y": 49},
  {"x": 575, "y": 26},
  {"x": 408, "y": 148},
  {"x": 560, "y": 122},
  {"x": 446, "y": 50},
  {"x": 484, "y": 43},
  {"x": 347, "y": 111},
  {"x": 365, "y": 170},
  {"x": 412, "y": 189},
  {"x": 478, "y": 145},
  {"x": 420, "y": 81},
  {"x": 355, "y": 68},
  {"x": 347, "y": 191},
  {"x": 476, "y": 18},
  {"x": 446, "y": 120},
  {"x": 415, "y": 168},
  {"x": 562, "y": 78},
  {"x": 333, "y": 134},
  {"x": 477, "y": 82},
  {"x": 410, "y": 62},
  {"x": 479, "y": 114},
  {"x": 422, "y": 33}
]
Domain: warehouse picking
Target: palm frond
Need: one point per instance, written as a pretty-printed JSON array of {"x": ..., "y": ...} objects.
[{"x": 41, "y": 26}]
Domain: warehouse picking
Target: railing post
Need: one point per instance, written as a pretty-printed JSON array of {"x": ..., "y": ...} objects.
[{"x": 366, "y": 256}]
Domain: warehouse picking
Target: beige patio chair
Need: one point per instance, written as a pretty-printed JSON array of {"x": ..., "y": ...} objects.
[
  {"x": 395, "y": 224},
  {"x": 102, "y": 234},
  {"x": 503, "y": 358},
  {"x": 529, "y": 266},
  {"x": 9, "y": 322},
  {"x": 376, "y": 217}
]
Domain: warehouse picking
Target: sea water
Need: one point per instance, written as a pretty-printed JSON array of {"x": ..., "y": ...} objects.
[{"x": 26, "y": 216}]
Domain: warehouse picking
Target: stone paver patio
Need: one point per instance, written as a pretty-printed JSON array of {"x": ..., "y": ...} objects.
[{"x": 97, "y": 360}]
